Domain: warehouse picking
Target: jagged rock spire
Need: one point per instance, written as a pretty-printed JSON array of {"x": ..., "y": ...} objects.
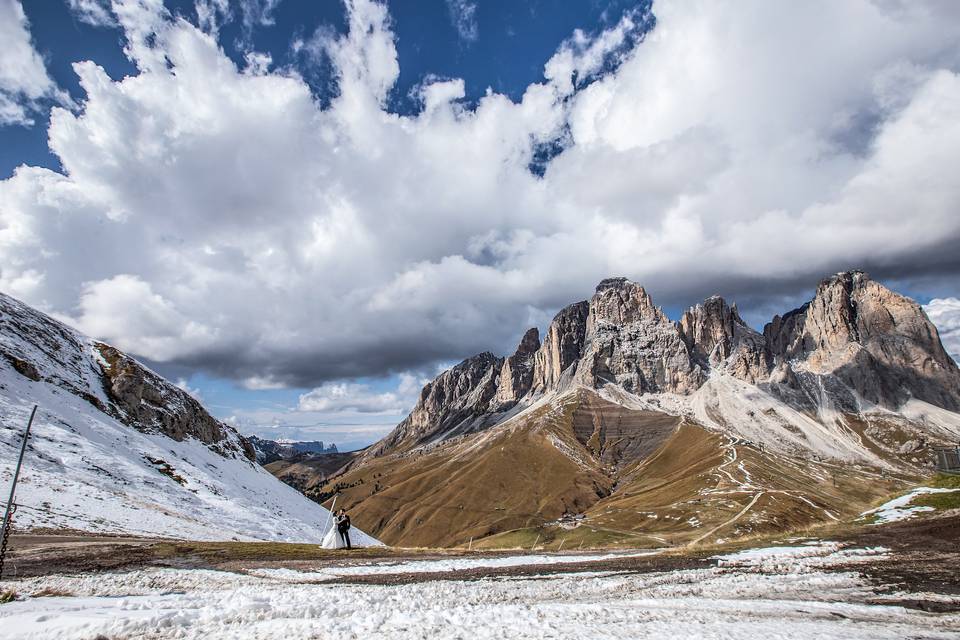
[
  {"x": 561, "y": 347},
  {"x": 516, "y": 374}
]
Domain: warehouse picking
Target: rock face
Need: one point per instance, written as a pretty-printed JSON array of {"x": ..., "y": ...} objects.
[
  {"x": 150, "y": 403},
  {"x": 856, "y": 343},
  {"x": 561, "y": 347},
  {"x": 516, "y": 374},
  {"x": 631, "y": 343},
  {"x": 876, "y": 342},
  {"x": 455, "y": 402},
  {"x": 718, "y": 338},
  {"x": 42, "y": 349}
]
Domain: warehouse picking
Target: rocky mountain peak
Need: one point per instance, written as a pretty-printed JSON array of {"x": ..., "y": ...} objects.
[
  {"x": 856, "y": 342},
  {"x": 717, "y": 336},
  {"x": 456, "y": 401},
  {"x": 630, "y": 342},
  {"x": 621, "y": 301},
  {"x": 877, "y": 342},
  {"x": 516, "y": 374},
  {"x": 561, "y": 346}
]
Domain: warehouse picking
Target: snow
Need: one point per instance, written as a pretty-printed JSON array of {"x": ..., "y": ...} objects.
[
  {"x": 85, "y": 470},
  {"x": 446, "y": 565},
  {"x": 899, "y": 509},
  {"x": 766, "y": 593}
]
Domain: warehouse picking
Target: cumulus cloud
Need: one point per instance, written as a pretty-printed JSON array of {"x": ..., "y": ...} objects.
[
  {"x": 463, "y": 15},
  {"x": 340, "y": 397},
  {"x": 24, "y": 82},
  {"x": 223, "y": 219},
  {"x": 945, "y": 314}
]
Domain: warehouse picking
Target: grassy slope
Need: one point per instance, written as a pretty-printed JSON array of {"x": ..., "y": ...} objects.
[{"x": 507, "y": 486}]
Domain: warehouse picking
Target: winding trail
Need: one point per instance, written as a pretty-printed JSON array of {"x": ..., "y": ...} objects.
[{"x": 728, "y": 522}]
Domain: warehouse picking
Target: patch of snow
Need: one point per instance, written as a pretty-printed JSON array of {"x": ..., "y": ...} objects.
[
  {"x": 899, "y": 509},
  {"x": 734, "y": 601}
]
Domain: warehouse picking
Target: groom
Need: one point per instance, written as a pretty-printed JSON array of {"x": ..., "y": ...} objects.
[{"x": 343, "y": 527}]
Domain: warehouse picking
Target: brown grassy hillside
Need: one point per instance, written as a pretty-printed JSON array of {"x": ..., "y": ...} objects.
[{"x": 634, "y": 478}]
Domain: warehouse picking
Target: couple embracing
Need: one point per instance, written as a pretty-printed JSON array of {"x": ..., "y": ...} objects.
[{"x": 338, "y": 537}]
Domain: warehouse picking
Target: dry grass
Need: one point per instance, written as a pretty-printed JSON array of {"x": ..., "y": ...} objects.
[{"x": 507, "y": 486}]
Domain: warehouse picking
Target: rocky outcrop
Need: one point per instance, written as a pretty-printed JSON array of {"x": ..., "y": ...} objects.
[
  {"x": 455, "y": 402},
  {"x": 562, "y": 346},
  {"x": 151, "y": 403},
  {"x": 876, "y": 342},
  {"x": 631, "y": 343},
  {"x": 855, "y": 343},
  {"x": 45, "y": 350},
  {"x": 718, "y": 338},
  {"x": 516, "y": 374}
]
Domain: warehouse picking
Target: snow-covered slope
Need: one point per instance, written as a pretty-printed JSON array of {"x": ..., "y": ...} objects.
[{"x": 117, "y": 449}]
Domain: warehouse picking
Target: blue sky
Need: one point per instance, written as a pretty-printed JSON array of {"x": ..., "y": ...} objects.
[
  {"x": 512, "y": 41},
  {"x": 302, "y": 211}
]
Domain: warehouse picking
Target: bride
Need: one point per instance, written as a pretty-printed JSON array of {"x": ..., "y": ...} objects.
[{"x": 332, "y": 539}]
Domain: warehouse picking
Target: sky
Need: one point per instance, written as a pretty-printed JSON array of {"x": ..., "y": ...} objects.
[{"x": 302, "y": 211}]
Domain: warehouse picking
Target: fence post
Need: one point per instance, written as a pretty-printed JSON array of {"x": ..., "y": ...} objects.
[{"x": 5, "y": 530}]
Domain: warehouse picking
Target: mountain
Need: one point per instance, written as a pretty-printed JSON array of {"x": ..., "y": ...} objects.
[
  {"x": 267, "y": 451},
  {"x": 115, "y": 448},
  {"x": 624, "y": 427},
  {"x": 309, "y": 472}
]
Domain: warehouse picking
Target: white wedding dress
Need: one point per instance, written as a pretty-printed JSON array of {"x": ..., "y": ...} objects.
[{"x": 332, "y": 539}]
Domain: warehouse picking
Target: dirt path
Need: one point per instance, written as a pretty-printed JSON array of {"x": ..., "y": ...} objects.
[{"x": 728, "y": 522}]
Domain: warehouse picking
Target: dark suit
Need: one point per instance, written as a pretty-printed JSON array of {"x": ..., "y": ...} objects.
[{"x": 343, "y": 528}]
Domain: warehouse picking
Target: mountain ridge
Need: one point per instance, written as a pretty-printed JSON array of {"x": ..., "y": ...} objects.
[
  {"x": 625, "y": 340},
  {"x": 629, "y": 413}
]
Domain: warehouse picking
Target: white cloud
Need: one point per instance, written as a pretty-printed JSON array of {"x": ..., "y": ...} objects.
[
  {"x": 24, "y": 81},
  {"x": 256, "y": 13},
  {"x": 184, "y": 384},
  {"x": 463, "y": 15},
  {"x": 125, "y": 311},
  {"x": 222, "y": 218},
  {"x": 211, "y": 14},
  {"x": 945, "y": 314},
  {"x": 342, "y": 396},
  {"x": 93, "y": 12}
]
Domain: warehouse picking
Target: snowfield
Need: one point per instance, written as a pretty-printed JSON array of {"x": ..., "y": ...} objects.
[
  {"x": 86, "y": 470},
  {"x": 763, "y": 593}
]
